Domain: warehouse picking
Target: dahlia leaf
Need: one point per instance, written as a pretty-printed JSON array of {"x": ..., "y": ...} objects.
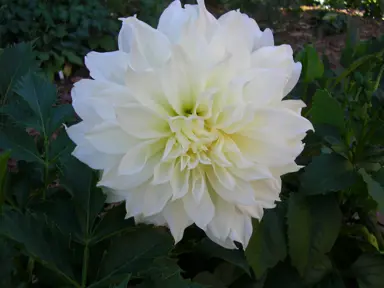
[
  {"x": 236, "y": 257},
  {"x": 313, "y": 227},
  {"x": 374, "y": 189},
  {"x": 3, "y": 173},
  {"x": 327, "y": 110},
  {"x": 41, "y": 241},
  {"x": 60, "y": 115},
  {"x": 112, "y": 223},
  {"x": 299, "y": 229},
  {"x": 268, "y": 244},
  {"x": 40, "y": 96},
  {"x": 79, "y": 181},
  {"x": 318, "y": 271},
  {"x": 331, "y": 281},
  {"x": 368, "y": 269},
  {"x": 327, "y": 173},
  {"x": 313, "y": 67},
  {"x": 132, "y": 253},
  {"x": 15, "y": 62},
  {"x": 20, "y": 143}
]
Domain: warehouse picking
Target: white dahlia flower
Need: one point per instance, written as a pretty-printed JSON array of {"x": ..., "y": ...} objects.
[{"x": 187, "y": 122}]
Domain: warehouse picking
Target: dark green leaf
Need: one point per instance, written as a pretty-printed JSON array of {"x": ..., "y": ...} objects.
[
  {"x": 283, "y": 275},
  {"x": 299, "y": 231},
  {"x": 267, "y": 245},
  {"x": 7, "y": 252},
  {"x": 331, "y": 281},
  {"x": 20, "y": 143},
  {"x": 327, "y": 110},
  {"x": 60, "y": 115},
  {"x": 327, "y": 173},
  {"x": 60, "y": 147},
  {"x": 313, "y": 227},
  {"x": 368, "y": 270},
  {"x": 112, "y": 223},
  {"x": 318, "y": 271},
  {"x": 236, "y": 257},
  {"x": 374, "y": 189},
  {"x": 40, "y": 96},
  {"x": 39, "y": 240},
  {"x": 78, "y": 180},
  {"x": 72, "y": 57},
  {"x": 15, "y": 62},
  {"x": 132, "y": 253},
  {"x": 4, "y": 157}
]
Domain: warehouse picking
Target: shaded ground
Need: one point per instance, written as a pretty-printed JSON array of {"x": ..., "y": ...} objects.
[{"x": 308, "y": 28}]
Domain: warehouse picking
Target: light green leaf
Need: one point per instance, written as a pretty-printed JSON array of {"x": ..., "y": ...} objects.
[
  {"x": 267, "y": 245},
  {"x": 327, "y": 173},
  {"x": 327, "y": 110},
  {"x": 374, "y": 189},
  {"x": 40, "y": 96},
  {"x": 15, "y": 62},
  {"x": 313, "y": 67},
  {"x": 313, "y": 227},
  {"x": 368, "y": 270}
]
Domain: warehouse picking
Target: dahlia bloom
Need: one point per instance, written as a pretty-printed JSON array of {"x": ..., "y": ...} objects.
[{"x": 187, "y": 124}]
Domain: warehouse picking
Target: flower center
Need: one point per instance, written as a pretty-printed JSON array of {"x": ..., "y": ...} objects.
[{"x": 192, "y": 140}]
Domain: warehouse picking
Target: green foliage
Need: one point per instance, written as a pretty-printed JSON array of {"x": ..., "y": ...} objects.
[{"x": 62, "y": 31}]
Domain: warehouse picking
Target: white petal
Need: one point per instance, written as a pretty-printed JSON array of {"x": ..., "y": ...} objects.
[
  {"x": 266, "y": 87},
  {"x": 295, "y": 105},
  {"x": 141, "y": 122},
  {"x": 283, "y": 122},
  {"x": 173, "y": 19},
  {"x": 241, "y": 194},
  {"x": 108, "y": 66},
  {"x": 147, "y": 199},
  {"x": 77, "y": 133},
  {"x": 163, "y": 172},
  {"x": 273, "y": 57},
  {"x": 94, "y": 159},
  {"x": 136, "y": 158},
  {"x": 199, "y": 184},
  {"x": 294, "y": 78},
  {"x": 110, "y": 138},
  {"x": 266, "y": 38},
  {"x": 239, "y": 30},
  {"x": 200, "y": 212},
  {"x": 255, "y": 211},
  {"x": 177, "y": 219},
  {"x": 147, "y": 47},
  {"x": 179, "y": 181},
  {"x": 112, "y": 179}
]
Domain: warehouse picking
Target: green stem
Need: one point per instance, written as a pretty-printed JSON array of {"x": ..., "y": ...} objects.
[{"x": 85, "y": 266}]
